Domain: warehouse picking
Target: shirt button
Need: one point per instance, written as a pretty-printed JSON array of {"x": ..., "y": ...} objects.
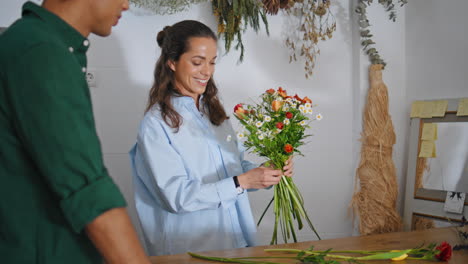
[
  {"x": 86, "y": 43},
  {"x": 83, "y": 69},
  {"x": 71, "y": 49}
]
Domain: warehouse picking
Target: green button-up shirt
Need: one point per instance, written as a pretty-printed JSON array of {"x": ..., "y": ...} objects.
[{"x": 52, "y": 178}]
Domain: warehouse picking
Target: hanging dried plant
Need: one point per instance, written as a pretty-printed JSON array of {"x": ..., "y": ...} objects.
[
  {"x": 307, "y": 23},
  {"x": 166, "y": 7},
  {"x": 366, "y": 36},
  {"x": 273, "y": 6},
  {"x": 234, "y": 17}
]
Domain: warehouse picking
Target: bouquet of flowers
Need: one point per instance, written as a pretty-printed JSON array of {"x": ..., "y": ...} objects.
[{"x": 275, "y": 129}]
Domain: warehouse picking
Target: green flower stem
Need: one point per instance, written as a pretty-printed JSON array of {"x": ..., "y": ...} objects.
[
  {"x": 229, "y": 260},
  {"x": 264, "y": 211},
  {"x": 383, "y": 255}
]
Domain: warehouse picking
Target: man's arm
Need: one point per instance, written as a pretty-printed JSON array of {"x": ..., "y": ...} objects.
[{"x": 114, "y": 236}]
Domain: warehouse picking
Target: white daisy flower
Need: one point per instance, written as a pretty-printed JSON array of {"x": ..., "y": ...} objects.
[
  {"x": 286, "y": 121},
  {"x": 289, "y": 99},
  {"x": 308, "y": 105},
  {"x": 259, "y": 123},
  {"x": 240, "y": 135},
  {"x": 310, "y": 111},
  {"x": 302, "y": 108},
  {"x": 303, "y": 123},
  {"x": 260, "y": 136},
  {"x": 319, "y": 117},
  {"x": 267, "y": 118}
]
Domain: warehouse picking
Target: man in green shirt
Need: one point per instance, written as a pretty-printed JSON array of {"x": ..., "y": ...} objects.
[{"x": 57, "y": 202}]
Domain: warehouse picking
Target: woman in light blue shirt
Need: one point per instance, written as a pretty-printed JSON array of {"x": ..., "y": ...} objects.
[{"x": 189, "y": 174}]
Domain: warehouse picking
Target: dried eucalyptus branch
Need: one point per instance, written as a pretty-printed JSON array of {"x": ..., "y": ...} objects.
[
  {"x": 166, "y": 7},
  {"x": 234, "y": 17},
  {"x": 366, "y": 36},
  {"x": 308, "y": 22}
]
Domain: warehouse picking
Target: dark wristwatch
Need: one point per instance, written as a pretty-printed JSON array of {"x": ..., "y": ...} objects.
[{"x": 239, "y": 189}]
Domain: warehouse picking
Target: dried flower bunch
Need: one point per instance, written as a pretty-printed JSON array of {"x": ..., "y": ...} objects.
[
  {"x": 364, "y": 24},
  {"x": 166, "y": 7},
  {"x": 307, "y": 23},
  {"x": 234, "y": 17},
  {"x": 273, "y": 6}
]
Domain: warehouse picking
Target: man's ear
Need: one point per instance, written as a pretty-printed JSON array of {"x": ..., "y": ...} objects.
[{"x": 171, "y": 65}]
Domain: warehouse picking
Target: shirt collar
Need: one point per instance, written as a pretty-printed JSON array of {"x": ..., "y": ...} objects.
[
  {"x": 69, "y": 35},
  {"x": 187, "y": 100}
]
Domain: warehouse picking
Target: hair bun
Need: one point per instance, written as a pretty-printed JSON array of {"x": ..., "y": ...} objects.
[{"x": 162, "y": 35}]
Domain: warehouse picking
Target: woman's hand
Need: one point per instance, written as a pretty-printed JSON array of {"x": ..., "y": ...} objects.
[
  {"x": 288, "y": 168},
  {"x": 263, "y": 177},
  {"x": 259, "y": 178}
]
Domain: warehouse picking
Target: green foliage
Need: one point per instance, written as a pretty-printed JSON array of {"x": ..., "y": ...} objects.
[
  {"x": 234, "y": 17},
  {"x": 364, "y": 25}
]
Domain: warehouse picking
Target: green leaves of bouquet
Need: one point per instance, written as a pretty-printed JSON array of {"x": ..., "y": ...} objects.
[{"x": 275, "y": 128}]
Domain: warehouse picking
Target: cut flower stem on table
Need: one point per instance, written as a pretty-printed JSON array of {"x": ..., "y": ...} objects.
[{"x": 442, "y": 252}]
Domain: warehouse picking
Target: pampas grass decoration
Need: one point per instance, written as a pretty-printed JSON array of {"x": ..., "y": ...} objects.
[{"x": 375, "y": 201}]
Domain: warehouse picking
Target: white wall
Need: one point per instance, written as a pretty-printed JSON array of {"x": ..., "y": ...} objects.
[{"x": 124, "y": 63}]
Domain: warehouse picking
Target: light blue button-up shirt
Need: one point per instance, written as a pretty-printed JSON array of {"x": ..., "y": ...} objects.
[{"x": 184, "y": 192}]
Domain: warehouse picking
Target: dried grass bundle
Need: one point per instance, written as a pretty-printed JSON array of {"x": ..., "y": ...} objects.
[
  {"x": 375, "y": 201},
  {"x": 422, "y": 223}
]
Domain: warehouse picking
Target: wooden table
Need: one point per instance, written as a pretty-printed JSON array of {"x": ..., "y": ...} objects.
[{"x": 399, "y": 240}]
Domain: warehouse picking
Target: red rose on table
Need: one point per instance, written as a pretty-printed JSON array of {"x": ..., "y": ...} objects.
[
  {"x": 279, "y": 125},
  {"x": 288, "y": 148},
  {"x": 289, "y": 115},
  {"x": 445, "y": 250}
]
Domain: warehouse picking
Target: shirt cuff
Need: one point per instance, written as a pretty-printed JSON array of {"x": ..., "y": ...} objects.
[
  {"x": 85, "y": 205},
  {"x": 227, "y": 192}
]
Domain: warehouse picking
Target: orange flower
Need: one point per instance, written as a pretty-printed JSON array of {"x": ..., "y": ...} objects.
[
  {"x": 271, "y": 91},
  {"x": 240, "y": 111},
  {"x": 276, "y": 105},
  {"x": 306, "y": 100},
  {"x": 288, "y": 148},
  {"x": 297, "y": 98},
  {"x": 282, "y": 92}
]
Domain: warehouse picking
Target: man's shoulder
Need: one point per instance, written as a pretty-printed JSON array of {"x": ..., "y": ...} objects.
[{"x": 25, "y": 35}]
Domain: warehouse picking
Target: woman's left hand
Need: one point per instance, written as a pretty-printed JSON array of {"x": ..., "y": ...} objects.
[{"x": 288, "y": 168}]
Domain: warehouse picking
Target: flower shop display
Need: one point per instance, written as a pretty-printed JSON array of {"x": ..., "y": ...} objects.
[{"x": 274, "y": 129}]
